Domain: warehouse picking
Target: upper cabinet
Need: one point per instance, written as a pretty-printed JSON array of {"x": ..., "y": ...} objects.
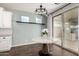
[
  {"x": 1, "y": 25},
  {"x": 5, "y": 19}
]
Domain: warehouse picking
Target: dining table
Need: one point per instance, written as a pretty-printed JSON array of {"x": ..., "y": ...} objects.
[{"x": 45, "y": 45}]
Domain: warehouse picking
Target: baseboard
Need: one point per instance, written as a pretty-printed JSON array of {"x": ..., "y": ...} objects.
[
  {"x": 7, "y": 50},
  {"x": 24, "y": 44}
]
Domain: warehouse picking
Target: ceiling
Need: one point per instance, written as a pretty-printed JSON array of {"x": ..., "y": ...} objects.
[{"x": 30, "y": 7}]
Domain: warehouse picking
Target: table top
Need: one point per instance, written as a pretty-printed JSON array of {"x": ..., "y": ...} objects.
[{"x": 42, "y": 40}]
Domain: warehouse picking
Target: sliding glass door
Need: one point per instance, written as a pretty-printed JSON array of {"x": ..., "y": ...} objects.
[
  {"x": 57, "y": 29},
  {"x": 65, "y": 30},
  {"x": 71, "y": 30}
]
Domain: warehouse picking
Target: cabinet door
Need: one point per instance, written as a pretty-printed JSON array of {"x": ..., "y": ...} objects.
[
  {"x": 6, "y": 17},
  {"x": 1, "y": 23},
  {"x": 5, "y": 43}
]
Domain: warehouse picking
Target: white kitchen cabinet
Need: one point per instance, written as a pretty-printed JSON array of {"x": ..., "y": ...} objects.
[
  {"x": 5, "y": 43},
  {"x": 5, "y": 19},
  {"x": 1, "y": 24}
]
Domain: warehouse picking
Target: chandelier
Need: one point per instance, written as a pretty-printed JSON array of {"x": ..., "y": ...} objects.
[{"x": 41, "y": 11}]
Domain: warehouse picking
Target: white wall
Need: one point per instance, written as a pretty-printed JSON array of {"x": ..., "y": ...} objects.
[{"x": 24, "y": 33}]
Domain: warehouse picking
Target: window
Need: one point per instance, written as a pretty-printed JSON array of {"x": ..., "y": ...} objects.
[
  {"x": 38, "y": 20},
  {"x": 24, "y": 19}
]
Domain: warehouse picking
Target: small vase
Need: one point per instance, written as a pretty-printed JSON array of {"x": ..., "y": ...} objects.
[{"x": 45, "y": 36}]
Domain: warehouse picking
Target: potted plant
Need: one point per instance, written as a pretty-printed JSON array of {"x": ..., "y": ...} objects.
[{"x": 44, "y": 32}]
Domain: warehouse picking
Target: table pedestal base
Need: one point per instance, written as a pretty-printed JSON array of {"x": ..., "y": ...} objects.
[
  {"x": 44, "y": 54},
  {"x": 44, "y": 51}
]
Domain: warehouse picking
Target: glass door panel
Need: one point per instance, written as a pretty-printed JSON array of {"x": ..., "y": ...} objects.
[
  {"x": 57, "y": 29},
  {"x": 71, "y": 30}
]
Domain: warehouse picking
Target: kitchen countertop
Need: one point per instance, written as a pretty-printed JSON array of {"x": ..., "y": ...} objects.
[
  {"x": 4, "y": 32},
  {"x": 5, "y": 35}
]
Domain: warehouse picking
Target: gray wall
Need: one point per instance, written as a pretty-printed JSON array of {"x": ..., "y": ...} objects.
[{"x": 24, "y": 33}]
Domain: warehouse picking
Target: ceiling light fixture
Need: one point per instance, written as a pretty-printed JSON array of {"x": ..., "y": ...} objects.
[{"x": 41, "y": 11}]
